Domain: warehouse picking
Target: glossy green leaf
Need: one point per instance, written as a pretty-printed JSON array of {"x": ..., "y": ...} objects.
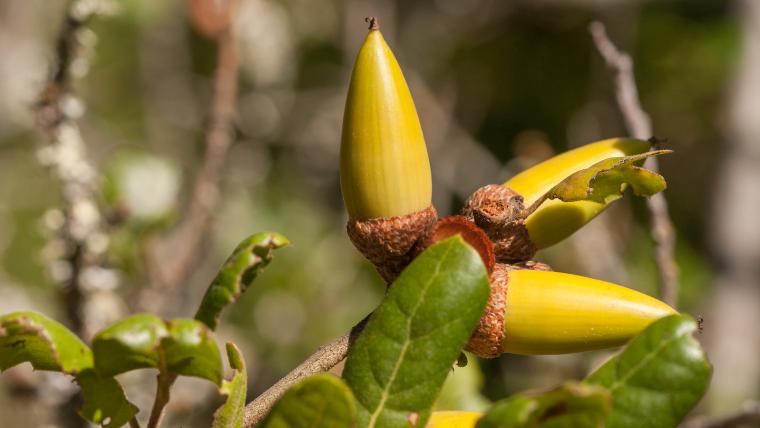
[
  {"x": 180, "y": 347},
  {"x": 573, "y": 405},
  {"x": 605, "y": 181},
  {"x": 104, "y": 400},
  {"x": 319, "y": 401},
  {"x": 232, "y": 412},
  {"x": 398, "y": 364},
  {"x": 48, "y": 345},
  {"x": 658, "y": 377},
  {"x": 241, "y": 268}
]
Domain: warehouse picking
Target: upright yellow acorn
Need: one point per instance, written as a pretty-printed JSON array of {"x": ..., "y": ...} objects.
[
  {"x": 384, "y": 168},
  {"x": 555, "y": 220},
  {"x": 534, "y": 311}
]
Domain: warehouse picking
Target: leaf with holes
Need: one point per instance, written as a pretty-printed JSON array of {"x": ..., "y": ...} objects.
[
  {"x": 241, "y": 268},
  {"x": 658, "y": 377},
  {"x": 232, "y": 412},
  {"x": 605, "y": 181},
  {"x": 48, "y": 345},
  {"x": 180, "y": 347},
  {"x": 572, "y": 405},
  {"x": 319, "y": 401},
  {"x": 398, "y": 364}
]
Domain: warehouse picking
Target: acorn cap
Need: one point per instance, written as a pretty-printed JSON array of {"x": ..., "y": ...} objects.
[
  {"x": 389, "y": 243},
  {"x": 470, "y": 233},
  {"x": 555, "y": 220},
  {"x": 498, "y": 211},
  {"x": 384, "y": 166}
]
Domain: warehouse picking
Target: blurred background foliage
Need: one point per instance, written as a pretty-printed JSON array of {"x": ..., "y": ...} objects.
[{"x": 499, "y": 85}]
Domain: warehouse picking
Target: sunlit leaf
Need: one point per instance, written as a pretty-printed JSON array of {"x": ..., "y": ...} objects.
[
  {"x": 232, "y": 412},
  {"x": 249, "y": 258},
  {"x": 571, "y": 406},
  {"x": 398, "y": 364},
  {"x": 319, "y": 401},
  {"x": 658, "y": 378},
  {"x": 180, "y": 347}
]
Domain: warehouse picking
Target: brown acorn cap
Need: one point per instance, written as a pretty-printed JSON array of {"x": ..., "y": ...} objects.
[
  {"x": 487, "y": 340},
  {"x": 389, "y": 243},
  {"x": 499, "y": 211},
  {"x": 470, "y": 233}
]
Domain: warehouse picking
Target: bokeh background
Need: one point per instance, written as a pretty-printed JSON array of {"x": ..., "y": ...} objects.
[{"x": 499, "y": 85}]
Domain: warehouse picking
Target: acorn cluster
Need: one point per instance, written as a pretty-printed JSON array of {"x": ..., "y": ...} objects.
[{"x": 387, "y": 188}]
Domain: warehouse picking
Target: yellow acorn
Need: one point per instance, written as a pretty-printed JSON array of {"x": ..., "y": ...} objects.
[
  {"x": 538, "y": 312},
  {"x": 384, "y": 168},
  {"x": 555, "y": 220},
  {"x": 453, "y": 419}
]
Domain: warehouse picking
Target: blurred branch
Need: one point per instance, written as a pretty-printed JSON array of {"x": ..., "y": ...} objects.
[
  {"x": 748, "y": 416},
  {"x": 325, "y": 358},
  {"x": 79, "y": 224},
  {"x": 639, "y": 125},
  {"x": 187, "y": 242}
]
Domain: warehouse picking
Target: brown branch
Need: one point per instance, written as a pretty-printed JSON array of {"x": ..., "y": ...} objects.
[
  {"x": 164, "y": 384},
  {"x": 186, "y": 242},
  {"x": 748, "y": 416},
  {"x": 639, "y": 125},
  {"x": 325, "y": 358}
]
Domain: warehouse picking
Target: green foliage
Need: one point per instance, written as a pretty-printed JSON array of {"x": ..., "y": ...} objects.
[
  {"x": 398, "y": 364},
  {"x": 232, "y": 412},
  {"x": 572, "y": 405},
  {"x": 179, "y": 347},
  {"x": 605, "y": 181},
  {"x": 48, "y": 345},
  {"x": 319, "y": 401},
  {"x": 658, "y": 378},
  {"x": 241, "y": 268}
]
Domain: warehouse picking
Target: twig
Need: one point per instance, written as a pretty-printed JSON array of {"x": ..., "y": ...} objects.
[
  {"x": 186, "y": 243},
  {"x": 164, "y": 384},
  {"x": 325, "y": 358},
  {"x": 748, "y": 416},
  {"x": 133, "y": 422},
  {"x": 639, "y": 125},
  {"x": 79, "y": 229}
]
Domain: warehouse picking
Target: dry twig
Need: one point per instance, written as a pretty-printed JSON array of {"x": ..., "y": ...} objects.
[
  {"x": 639, "y": 125},
  {"x": 186, "y": 242}
]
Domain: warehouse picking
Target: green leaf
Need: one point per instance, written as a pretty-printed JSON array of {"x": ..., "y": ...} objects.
[
  {"x": 605, "y": 181},
  {"x": 180, "y": 347},
  {"x": 658, "y": 377},
  {"x": 319, "y": 401},
  {"x": 573, "y": 405},
  {"x": 399, "y": 362},
  {"x": 48, "y": 345},
  {"x": 241, "y": 268},
  {"x": 232, "y": 412},
  {"x": 104, "y": 400}
]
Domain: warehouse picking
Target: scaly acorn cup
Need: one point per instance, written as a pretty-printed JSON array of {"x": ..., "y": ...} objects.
[
  {"x": 500, "y": 210},
  {"x": 534, "y": 311},
  {"x": 384, "y": 168}
]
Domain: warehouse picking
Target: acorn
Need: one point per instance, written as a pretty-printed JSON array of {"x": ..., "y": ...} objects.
[
  {"x": 453, "y": 419},
  {"x": 535, "y": 311},
  {"x": 384, "y": 168},
  {"x": 499, "y": 209}
]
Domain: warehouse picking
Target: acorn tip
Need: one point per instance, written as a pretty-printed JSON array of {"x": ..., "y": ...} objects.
[{"x": 373, "y": 23}]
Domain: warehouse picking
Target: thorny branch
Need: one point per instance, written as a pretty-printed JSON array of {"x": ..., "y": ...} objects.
[
  {"x": 639, "y": 125},
  {"x": 186, "y": 243},
  {"x": 80, "y": 241},
  {"x": 325, "y": 358}
]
